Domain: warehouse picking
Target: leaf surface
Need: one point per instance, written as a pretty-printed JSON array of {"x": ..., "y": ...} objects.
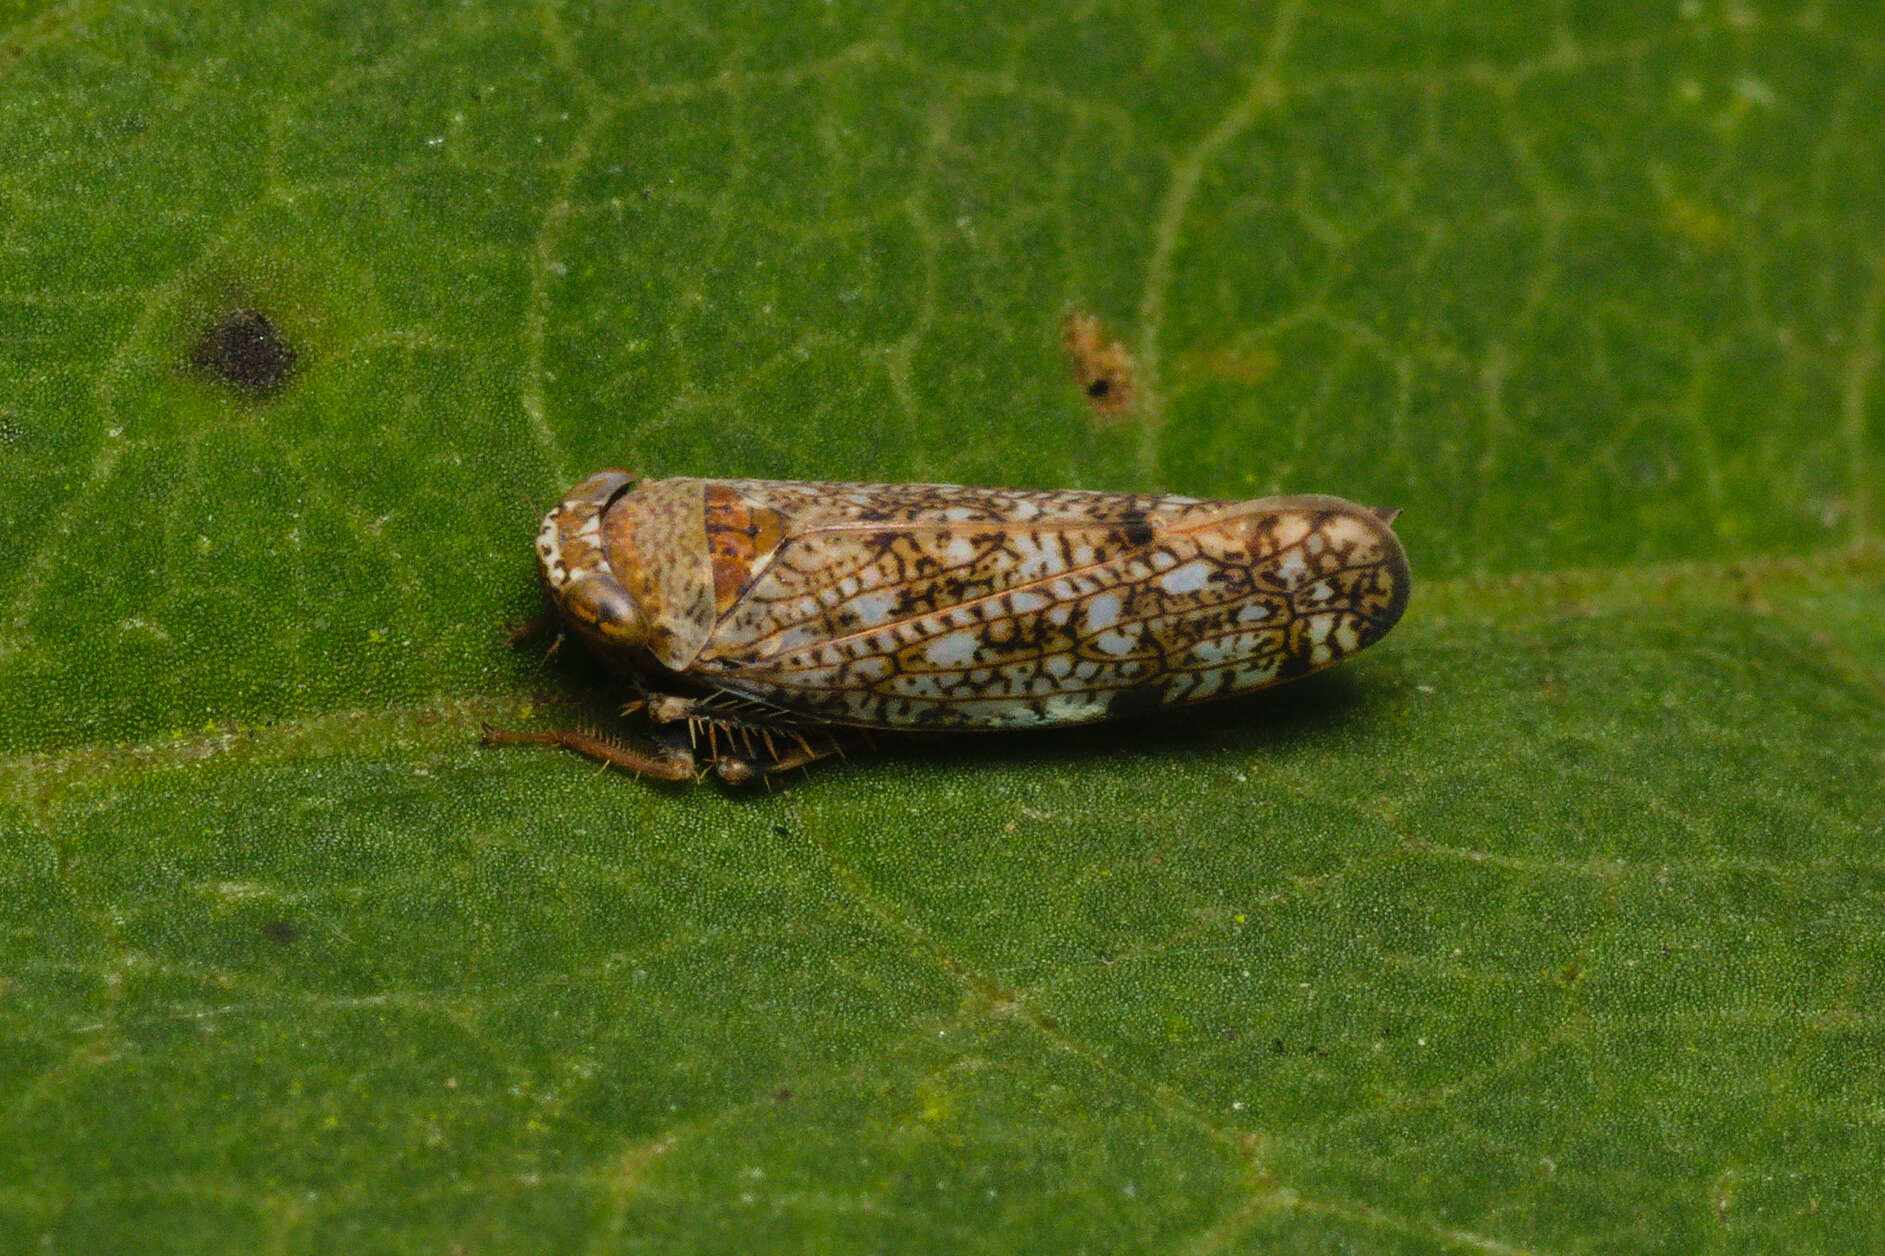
[{"x": 1551, "y": 924}]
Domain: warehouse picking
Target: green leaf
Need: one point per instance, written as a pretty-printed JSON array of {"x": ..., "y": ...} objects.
[{"x": 1554, "y": 923}]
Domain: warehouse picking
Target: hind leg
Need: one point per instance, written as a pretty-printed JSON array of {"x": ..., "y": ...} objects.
[{"x": 665, "y": 764}]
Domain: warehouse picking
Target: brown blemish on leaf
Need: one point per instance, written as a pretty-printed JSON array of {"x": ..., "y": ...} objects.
[
  {"x": 246, "y": 350},
  {"x": 1101, "y": 365}
]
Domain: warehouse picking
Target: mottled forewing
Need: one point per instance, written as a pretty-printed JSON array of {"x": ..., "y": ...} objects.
[{"x": 909, "y": 606}]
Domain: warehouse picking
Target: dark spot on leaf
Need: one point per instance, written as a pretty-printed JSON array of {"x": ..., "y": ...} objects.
[
  {"x": 780, "y": 831},
  {"x": 1276, "y": 1046},
  {"x": 1101, "y": 366},
  {"x": 246, "y": 350},
  {"x": 782, "y": 1095},
  {"x": 281, "y": 932}
]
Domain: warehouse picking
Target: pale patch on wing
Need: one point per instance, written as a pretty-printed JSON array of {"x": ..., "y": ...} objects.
[
  {"x": 876, "y": 606},
  {"x": 1073, "y": 708},
  {"x": 956, "y": 649},
  {"x": 1102, "y": 612},
  {"x": 1189, "y": 578}
]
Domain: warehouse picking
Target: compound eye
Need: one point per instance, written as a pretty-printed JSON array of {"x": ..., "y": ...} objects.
[{"x": 602, "y": 608}]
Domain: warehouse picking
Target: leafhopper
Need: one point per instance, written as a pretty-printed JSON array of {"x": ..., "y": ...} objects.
[{"x": 768, "y": 615}]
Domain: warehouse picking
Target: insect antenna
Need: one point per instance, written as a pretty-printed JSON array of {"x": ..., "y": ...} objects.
[
  {"x": 556, "y": 644},
  {"x": 516, "y": 634}
]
